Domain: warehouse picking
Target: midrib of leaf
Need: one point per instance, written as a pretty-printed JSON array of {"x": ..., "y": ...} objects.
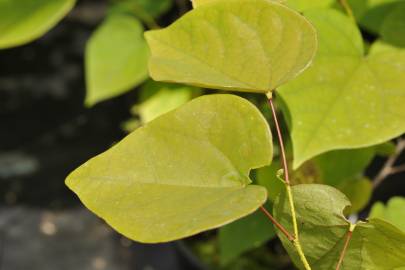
[
  {"x": 211, "y": 68},
  {"x": 244, "y": 179}
]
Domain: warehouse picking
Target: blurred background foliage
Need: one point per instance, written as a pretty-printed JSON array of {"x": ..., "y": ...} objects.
[{"x": 74, "y": 91}]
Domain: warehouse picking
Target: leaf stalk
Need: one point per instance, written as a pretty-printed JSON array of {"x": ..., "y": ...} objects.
[
  {"x": 296, "y": 241},
  {"x": 346, "y": 245}
]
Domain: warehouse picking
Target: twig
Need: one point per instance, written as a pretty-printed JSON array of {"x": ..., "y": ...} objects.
[
  {"x": 346, "y": 245},
  {"x": 347, "y": 9},
  {"x": 388, "y": 167},
  {"x": 277, "y": 224},
  {"x": 398, "y": 169},
  {"x": 296, "y": 241}
]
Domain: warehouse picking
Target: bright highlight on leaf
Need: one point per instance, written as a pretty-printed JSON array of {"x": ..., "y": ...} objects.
[
  {"x": 116, "y": 58},
  {"x": 374, "y": 245},
  {"x": 345, "y": 100},
  {"x": 245, "y": 45},
  {"x": 182, "y": 173},
  {"x": 22, "y": 21}
]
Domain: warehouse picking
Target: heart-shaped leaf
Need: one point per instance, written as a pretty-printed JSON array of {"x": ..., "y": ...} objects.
[
  {"x": 245, "y": 45},
  {"x": 323, "y": 228},
  {"x": 22, "y": 21},
  {"x": 116, "y": 58},
  {"x": 345, "y": 100},
  {"x": 182, "y": 173}
]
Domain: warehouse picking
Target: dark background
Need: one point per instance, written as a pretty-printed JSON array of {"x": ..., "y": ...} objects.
[{"x": 46, "y": 132}]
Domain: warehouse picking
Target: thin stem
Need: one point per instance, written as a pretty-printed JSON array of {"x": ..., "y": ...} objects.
[
  {"x": 280, "y": 139},
  {"x": 277, "y": 224},
  {"x": 296, "y": 241},
  {"x": 398, "y": 169},
  {"x": 388, "y": 168},
  {"x": 347, "y": 9},
  {"x": 346, "y": 245}
]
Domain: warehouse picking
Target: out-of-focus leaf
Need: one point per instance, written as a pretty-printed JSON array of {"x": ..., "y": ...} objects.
[
  {"x": 245, "y": 45},
  {"x": 142, "y": 8},
  {"x": 267, "y": 177},
  {"x": 116, "y": 58},
  {"x": 385, "y": 149},
  {"x": 243, "y": 235},
  {"x": 323, "y": 228},
  {"x": 162, "y": 98},
  {"x": 345, "y": 100},
  {"x": 393, "y": 27},
  {"x": 340, "y": 165},
  {"x": 182, "y": 173},
  {"x": 358, "y": 191},
  {"x": 371, "y": 13},
  {"x": 22, "y": 21},
  {"x": 393, "y": 212}
]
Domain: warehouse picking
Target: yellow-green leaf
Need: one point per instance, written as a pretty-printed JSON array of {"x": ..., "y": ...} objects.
[
  {"x": 197, "y": 3},
  {"x": 182, "y": 173},
  {"x": 393, "y": 212},
  {"x": 116, "y": 58},
  {"x": 345, "y": 100},
  {"x": 22, "y": 21},
  {"x": 245, "y": 45},
  {"x": 303, "y": 5},
  {"x": 159, "y": 98}
]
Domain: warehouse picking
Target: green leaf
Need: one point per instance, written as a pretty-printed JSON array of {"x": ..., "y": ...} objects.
[
  {"x": 393, "y": 27},
  {"x": 243, "y": 235},
  {"x": 245, "y": 45},
  {"x": 182, "y": 173},
  {"x": 386, "y": 149},
  {"x": 267, "y": 177},
  {"x": 358, "y": 191},
  {"x": 323, "y": 228},
  {"x": 116, "y": 58},
  {"x": 345, "y": 100},
  {"x": 162, "y": 98},
  {"x": 303, "y": 5},
  {"x": 22, "y": 21},
  {"x": 393, "y": 212},
  {"x": 142, "y": 8},
  {"x": 340, "y": 165},
  {"x": 371, "y": 13}
]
